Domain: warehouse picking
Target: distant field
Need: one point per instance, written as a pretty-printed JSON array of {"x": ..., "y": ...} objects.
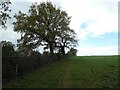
[{"x": 74, "y": 72}]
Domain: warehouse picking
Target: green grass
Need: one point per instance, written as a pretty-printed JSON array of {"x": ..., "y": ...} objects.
[{"x": 74, "y": 72}]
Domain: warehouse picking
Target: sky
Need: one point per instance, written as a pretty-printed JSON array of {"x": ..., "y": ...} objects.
[{"x": 94, "y": 21}]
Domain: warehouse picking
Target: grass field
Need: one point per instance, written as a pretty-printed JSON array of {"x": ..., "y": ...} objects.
[{"x": 74, "y": 72}]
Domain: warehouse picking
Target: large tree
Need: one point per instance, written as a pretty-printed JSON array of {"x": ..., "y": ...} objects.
[
  {"x": 66, "y": 39},
  {"x": 44, "y": 24},
  {"x": 4, "y": 12}
]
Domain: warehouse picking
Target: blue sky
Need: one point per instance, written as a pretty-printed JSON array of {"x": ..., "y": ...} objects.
[
  {"x": 94, "y": 21},
  {"x": 103, "y": 40}
]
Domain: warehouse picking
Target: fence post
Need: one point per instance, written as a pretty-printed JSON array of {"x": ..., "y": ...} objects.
[{"x": 16, "y": 70}]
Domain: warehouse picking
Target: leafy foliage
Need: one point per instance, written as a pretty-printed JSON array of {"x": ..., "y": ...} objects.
[
  {"x": 4, "y": 13},
  {"x": 72, "y": 52}
]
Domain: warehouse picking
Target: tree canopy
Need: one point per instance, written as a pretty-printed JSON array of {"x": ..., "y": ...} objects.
[{"x": 44, "y": 24}]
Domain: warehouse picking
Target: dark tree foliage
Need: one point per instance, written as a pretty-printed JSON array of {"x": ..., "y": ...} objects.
[
  {"x": 44, "y": 24},
  {"x": 72, "y": 52},
  {"x": 8, "y": 60},
  {"x": 4, "y": 13},
  {"x": 66, "y": 40},
  {"x": 16, "y": 64}
]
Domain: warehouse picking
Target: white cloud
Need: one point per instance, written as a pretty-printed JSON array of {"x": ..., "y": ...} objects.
[
  {"x": 105, "y": 22},
  {"x": 92, "y": 10},
  {"x": 102, "y": 12},
  {"x": 104, "y": 50},
  {"x": 9, "y": 35}
]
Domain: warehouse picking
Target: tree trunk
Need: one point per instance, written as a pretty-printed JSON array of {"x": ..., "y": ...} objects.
[
  {"x": 63, "y": 50},
  {"x": 51, "y": 47}
]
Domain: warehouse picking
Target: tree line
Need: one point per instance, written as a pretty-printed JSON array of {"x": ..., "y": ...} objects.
[{"x": 43, "y": 25}]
